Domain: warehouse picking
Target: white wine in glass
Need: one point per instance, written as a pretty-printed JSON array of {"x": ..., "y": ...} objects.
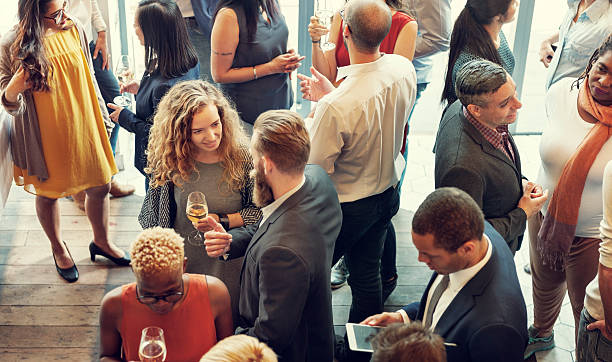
[
  {"x": 197, "y": 209},
  {"x": 125, "y": 74},
  {"x": 152, "y": 345},
  {"x": 325, "y": 15}
]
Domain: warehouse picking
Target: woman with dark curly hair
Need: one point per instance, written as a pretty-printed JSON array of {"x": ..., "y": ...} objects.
[{"x": 197, "y": 144}]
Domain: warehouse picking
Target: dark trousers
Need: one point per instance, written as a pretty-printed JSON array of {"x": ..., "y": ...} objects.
[
  {"x": 364, "y": 228},
  {"x": 109, "y": 87}
]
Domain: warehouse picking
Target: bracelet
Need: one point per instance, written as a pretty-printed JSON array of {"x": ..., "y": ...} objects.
[
  {"x": 316, "y": 42},
  {"x": 224, "y": 221},
  {"x": 254, "y": 73}
]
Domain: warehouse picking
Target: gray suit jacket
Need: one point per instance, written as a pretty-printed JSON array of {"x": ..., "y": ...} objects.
[
  {"x": 466, "y": 160},
  {"x": 285, "y": 299}
]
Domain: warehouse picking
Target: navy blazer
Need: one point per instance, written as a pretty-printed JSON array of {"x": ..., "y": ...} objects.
[
  {"x": 487, "y": 320},
  {"x": 466, "y": 160},
  {"x": 152, "y": 88},
  {"x": 285, "y": 299}
]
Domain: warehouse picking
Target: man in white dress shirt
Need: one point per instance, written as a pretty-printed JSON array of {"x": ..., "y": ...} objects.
[
  {"x": 473, "y": 299},
  {"x": 356, "y": 134}
]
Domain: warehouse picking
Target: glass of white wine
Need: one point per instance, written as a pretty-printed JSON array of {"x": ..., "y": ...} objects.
[
  {"x": 197, "y": 209},
  {"x": 152, "y": 345},
  {"x": 125, "y": 74},
  {"x": 325, "y": 14}
]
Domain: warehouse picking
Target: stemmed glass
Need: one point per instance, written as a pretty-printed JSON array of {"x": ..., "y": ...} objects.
[
  {"x": 325, "y": 14},
  {"x": 152, "y": 345},
  {"x": 197, "y": 209},
  {"x": 125, "y": 74}
]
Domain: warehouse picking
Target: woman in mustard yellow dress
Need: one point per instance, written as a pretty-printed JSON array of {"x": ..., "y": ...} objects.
[{"x": 59, "y": 138}]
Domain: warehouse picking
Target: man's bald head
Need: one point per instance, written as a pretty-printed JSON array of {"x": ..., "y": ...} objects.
[{"x": 369, "y": 22}]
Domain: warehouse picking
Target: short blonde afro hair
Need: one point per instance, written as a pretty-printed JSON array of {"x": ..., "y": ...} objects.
[
  {"x": 156, "y": 251},
  {"x": 240, "y": 348}
]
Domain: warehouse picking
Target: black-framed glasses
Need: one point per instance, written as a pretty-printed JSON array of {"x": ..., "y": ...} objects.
[
  {"x": 168, "y": 298},
  {"x": 57, "y": 16}
]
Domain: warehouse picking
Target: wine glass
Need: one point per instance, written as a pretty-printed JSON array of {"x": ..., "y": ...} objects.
[
  {"x": 325, "y": 14},
  {"x": 125, "y": 74},
  {"x": 152, "y": 345},
  {"x": 197, "y": 209}
]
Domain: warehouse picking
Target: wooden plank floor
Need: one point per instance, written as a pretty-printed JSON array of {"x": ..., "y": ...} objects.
[{"x": 44, "y": 318}]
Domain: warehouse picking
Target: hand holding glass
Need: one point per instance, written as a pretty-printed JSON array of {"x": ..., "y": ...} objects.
[
  {"x": 325, "y": 15},
  {"x": 125, "y": 74},
  {"x": 197, "y": 210},
  {"x": 152, "y": 345}
]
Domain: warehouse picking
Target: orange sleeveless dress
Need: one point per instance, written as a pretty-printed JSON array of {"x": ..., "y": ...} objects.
[{"x": 189, "y": 329}]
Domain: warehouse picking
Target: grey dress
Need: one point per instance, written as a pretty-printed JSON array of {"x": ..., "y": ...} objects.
[
  {"x": 219, "y": 201},
  {"x": 270, "y": 92}
]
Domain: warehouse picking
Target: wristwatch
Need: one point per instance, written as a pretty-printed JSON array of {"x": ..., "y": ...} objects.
[{"x": 224, "y": 221}]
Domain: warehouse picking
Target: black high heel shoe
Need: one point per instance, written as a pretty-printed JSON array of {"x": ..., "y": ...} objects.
[
  {"x": 71, "y": 274},
  {"x": 95, "y": 250}
]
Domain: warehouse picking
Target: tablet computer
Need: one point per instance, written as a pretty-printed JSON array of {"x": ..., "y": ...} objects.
[{"x": 360, "y": 336}]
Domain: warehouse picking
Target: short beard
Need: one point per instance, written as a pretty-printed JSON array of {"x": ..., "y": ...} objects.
[{"x": 262, "y": 193}]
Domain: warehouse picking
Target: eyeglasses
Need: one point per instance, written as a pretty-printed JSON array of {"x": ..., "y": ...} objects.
[
  {"x": 168, "y": 298},
  {"x": 57, "y": 16}
]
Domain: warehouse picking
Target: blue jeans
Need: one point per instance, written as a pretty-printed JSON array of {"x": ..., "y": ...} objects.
[
  {"x": 592, "y": 345},
  {"x": 388, "y": 268},
  {"x": 109, "y": 87},
  {"x": 201, "y": 43}
]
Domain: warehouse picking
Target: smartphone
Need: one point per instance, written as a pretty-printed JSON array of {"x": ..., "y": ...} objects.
[
  {"x": 554, "y": 48},
  {"x": 360, "y": 336}
]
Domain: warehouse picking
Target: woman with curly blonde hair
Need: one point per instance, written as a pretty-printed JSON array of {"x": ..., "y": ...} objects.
[
  {"x": 240, "y": 348},
  {"x": 197, "y": 144}
]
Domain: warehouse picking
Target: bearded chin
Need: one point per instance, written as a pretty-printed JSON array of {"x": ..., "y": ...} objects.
[{"x": 262, "y": 193}]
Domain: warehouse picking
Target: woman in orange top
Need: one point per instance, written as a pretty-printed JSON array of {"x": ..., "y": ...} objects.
[{"x": 193, "y": 310}]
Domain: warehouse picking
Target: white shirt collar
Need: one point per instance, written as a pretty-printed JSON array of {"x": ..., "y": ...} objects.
[
  {"x": 345, "y": 71},
  {"x": 459, "y": 279},
  {"x": 266, "y": 211}
]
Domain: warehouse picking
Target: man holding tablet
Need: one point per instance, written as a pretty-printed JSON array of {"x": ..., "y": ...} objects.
[{"x": 473, "y": 299}]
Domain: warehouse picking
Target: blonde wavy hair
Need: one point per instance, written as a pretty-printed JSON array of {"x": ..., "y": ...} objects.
[
  {"x": 240, "y": 348},
  {"x": 170, "y": 151}
]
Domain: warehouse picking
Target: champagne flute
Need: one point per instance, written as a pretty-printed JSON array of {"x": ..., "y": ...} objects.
[
  {"x": 197, "y": 209},
  {"x": 325, "y": 14},
  {"x": 152, "y": 345},
  {"x": 125, "y": 74}
]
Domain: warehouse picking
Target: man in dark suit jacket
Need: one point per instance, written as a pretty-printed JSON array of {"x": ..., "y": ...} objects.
[
  {"x": 476, "y": 153},
  {"x": 479, "y": 310},
  {"x": 285, "y": 298}
]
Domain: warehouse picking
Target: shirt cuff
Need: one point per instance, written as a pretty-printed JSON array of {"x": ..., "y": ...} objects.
[{"x": 404, "y": 315}]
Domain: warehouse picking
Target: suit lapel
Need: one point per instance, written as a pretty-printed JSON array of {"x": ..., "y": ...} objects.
[
  {"x": 287, "y": 205},
  {"x": 488, "y": 148},
  {"x": 464, "y": 301}
]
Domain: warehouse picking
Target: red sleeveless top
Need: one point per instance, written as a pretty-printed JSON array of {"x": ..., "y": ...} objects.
[
  {"x": 398, "y": 21},
  {"x": 189, "y": 329}
]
